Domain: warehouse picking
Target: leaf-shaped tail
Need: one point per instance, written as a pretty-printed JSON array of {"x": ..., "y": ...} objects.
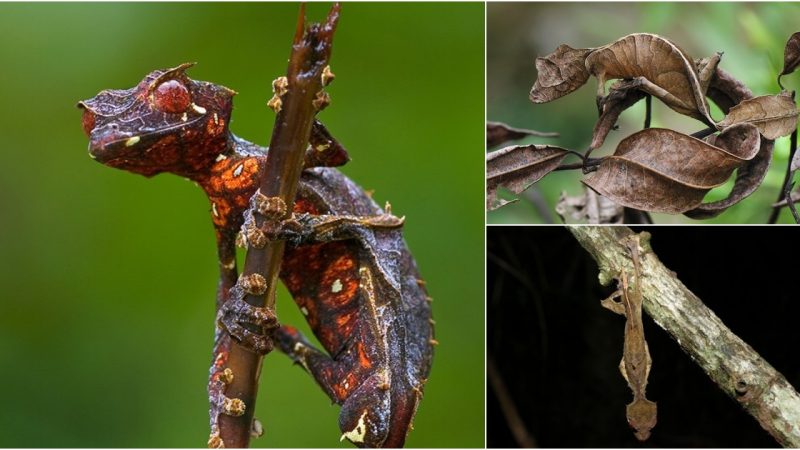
[{"x": 642, "y": 417}]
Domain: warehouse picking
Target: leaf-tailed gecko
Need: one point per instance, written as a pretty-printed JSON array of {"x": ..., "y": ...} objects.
[{"x": 636, "y": 362}]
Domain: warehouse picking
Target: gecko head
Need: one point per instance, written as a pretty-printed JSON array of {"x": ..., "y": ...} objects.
[{"x": 167, "y": 123}]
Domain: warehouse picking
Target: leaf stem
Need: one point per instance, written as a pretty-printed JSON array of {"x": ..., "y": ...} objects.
[
  {"x": 590, "y": 162},
  {"x": 703, "y": 133}
]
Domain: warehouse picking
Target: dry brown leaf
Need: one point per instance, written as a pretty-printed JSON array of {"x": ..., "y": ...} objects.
[
  {"x": 774, "y": 115},
  {"x": 726, "y": 92},
  {"x": 517, "y": 167},
  {"x": 659, "y": 67},
  {"x": 498, "y": 133},
  {"x": 665, "y": 171},
  {"x": 559, "y": 73},
  {"x": 791, "y": 56}
]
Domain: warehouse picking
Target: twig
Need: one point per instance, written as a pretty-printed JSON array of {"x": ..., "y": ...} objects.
[
  {"x": 513, "y": 419},
  {"x": 793, "y": 197},
  {"x": 785, "y": 193},
  {"x": 590, "y": 162},
  {"x": 703, "y": 133},
  {"x": 311, "y": 51},
  {"x": 732, "y": 364},
  {"x": 648, "y": 104}
]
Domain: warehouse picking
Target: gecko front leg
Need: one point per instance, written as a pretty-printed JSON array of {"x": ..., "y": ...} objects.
[
  {"x": 249, "y": 325},
  {"x": 252, "y": 326}
]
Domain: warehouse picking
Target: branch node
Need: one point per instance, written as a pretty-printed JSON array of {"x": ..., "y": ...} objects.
[
  {"x": 327, "y": 75},
  {"x": 233, "y": 407}
]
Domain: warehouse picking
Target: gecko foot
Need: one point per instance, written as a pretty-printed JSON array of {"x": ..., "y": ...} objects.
[{"x": 250, "y": 326}]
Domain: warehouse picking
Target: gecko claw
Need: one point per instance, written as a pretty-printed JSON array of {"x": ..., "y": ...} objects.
[{"x": 249, "y": 325}]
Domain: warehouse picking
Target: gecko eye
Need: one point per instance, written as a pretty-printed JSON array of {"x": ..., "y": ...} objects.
[
  {"x": 87, "y": 121},
  {"x": 171, "y": 97}
]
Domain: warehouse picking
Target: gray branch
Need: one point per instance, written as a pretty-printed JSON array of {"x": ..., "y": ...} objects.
[{"x": 732, "y": 364}]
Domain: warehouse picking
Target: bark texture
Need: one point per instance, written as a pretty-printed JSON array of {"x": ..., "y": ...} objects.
[{"x": 732, "y": 364}]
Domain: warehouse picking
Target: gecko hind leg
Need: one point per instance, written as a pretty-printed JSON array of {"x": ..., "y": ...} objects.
[
  {"x": 365, "y": 407},
  {"x": 613, "y": 303},
  {"x": 317, "y": 363}
]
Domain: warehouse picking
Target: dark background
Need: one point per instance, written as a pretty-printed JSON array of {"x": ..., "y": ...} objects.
[{"x": 558, "y": 350}]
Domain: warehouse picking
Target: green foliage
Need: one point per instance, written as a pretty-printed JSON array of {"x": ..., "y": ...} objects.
[
  {"x": 109, "y": 278},
  {"x": 752, "y": 35}
]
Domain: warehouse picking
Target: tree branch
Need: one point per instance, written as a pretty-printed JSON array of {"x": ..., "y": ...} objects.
[
  {"x": 311, "y": 52},
  {"x": 732, "y": 364}
]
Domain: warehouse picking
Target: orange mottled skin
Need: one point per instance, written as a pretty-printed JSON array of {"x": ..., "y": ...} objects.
[{"x": 357, "y": 286}]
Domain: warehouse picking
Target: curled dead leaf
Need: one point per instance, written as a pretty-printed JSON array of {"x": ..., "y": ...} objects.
[
  {"x": 665, "y": 171},
  {"x": 791, "y": 56},
  {"x": 517, "y": 167},
  {"x": 559, "y": 73},
  {"x": 498, "y": 133},
  {"x": 774, "y": 115},
  {"x": 658, "y": 67},
  {"x": 726, "y": 92}
]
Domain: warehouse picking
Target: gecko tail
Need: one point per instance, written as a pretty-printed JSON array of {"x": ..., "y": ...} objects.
[{"x": 642, "y": 417}]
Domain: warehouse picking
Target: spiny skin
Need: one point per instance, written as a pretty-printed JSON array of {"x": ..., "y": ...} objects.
[{"x": 358, "y": 288}]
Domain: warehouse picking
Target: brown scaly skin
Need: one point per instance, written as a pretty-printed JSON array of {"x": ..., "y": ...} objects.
[{"x": 346, "y": 264}]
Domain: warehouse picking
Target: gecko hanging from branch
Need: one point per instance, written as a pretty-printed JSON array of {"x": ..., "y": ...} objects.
[{"x": 636, "y": 362}]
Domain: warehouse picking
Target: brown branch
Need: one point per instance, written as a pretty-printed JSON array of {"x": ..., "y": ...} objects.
[
  {"x": 732, "y": 364},
  {"x": 311, "y": 52}
]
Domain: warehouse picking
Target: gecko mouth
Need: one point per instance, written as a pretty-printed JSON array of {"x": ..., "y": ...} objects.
[{"x": 108, "y": 144}]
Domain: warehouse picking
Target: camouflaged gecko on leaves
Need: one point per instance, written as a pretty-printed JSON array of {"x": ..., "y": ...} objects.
[
  {"x": 346, "y": 264},
  {"x": 656, "y": 170}
]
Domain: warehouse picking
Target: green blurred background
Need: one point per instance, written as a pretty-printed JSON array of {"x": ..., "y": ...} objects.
[
  {"x": 752, "y": 35},
  {"x": 108, "y": 278}
]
